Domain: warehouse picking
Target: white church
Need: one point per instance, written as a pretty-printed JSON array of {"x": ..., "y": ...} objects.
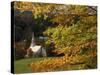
[{"x": 35, "y": 50}]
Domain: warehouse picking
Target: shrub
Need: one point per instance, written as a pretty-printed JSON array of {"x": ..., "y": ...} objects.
[
  {"x": 19, "y": 54},
  {"x": 19, "y": 50}
]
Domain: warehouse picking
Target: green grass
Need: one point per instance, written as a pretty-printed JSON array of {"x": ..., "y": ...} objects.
[{"x": 22, "y": 65}]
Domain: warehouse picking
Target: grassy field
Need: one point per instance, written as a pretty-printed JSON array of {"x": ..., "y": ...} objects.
[{"x": 22, "y": 65}]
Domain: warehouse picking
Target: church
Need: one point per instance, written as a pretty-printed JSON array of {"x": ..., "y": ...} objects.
[{"x": 35, "y": 50}]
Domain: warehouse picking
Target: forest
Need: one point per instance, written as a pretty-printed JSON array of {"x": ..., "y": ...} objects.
[{"x": 71, "y": 32}]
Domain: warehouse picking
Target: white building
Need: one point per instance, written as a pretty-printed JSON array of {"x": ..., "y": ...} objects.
[{"x": 35, "y": 50}]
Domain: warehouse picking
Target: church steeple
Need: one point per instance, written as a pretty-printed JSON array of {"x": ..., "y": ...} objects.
[{"x": 33, "y": 40}]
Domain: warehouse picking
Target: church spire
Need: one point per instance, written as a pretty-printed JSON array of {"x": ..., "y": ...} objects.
[{"x": 33, "y": 40}]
